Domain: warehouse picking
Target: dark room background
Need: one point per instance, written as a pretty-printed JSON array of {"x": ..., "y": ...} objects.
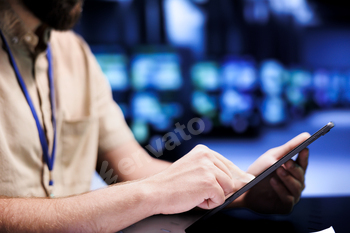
[{"x": 247, "y": 74}]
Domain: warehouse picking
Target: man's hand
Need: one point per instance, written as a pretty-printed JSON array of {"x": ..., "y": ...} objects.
[
  {"x": 281, "y": 190},
  {"x": 201, "y": 178}
]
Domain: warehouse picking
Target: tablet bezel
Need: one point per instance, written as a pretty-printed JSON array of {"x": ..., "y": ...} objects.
[{"x": 325, "y": 129}]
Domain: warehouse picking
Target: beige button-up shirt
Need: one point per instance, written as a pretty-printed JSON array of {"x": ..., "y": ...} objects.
[{"x": 88, "y": 120}]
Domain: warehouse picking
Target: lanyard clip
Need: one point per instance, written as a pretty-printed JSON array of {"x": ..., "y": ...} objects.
[{"x": 51, "y": 185}]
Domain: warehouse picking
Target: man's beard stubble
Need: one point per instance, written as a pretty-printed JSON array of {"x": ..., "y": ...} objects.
[{"x": 58, "y": 14}]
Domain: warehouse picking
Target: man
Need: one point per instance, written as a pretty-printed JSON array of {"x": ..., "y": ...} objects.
[{"x": 57, "y": 115}]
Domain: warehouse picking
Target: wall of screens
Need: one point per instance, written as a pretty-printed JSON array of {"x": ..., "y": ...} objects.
[
  {"x": 237, "y": 65},
  {"x": 234, "y": 95}
]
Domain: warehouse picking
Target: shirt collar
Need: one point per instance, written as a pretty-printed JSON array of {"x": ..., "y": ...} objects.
[{"x": 18, "y": 35}]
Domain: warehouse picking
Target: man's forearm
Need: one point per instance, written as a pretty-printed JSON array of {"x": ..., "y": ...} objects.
[
  {"x": 105, "y": 210},
  {"x": 130, "y": 162}
]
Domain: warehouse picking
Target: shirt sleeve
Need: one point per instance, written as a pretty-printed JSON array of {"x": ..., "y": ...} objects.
[{"x": 113, "y": 129}]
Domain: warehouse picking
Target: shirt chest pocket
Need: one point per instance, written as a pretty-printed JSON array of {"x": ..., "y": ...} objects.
[{"x": 79, "y": 146}]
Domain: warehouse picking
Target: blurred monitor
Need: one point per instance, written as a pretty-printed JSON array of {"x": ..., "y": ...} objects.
[
  {"x": 156, "y": 70},
  {"x": 274, "y": 110},
  {"x": 205, "y": 76},
  {"x": 206, "y": 88},
  {"x": 298, "y": 87},
  {"x": 204, "y": 103},
  {"x": 224, "y": 94},
  {"x": 141, "y": 131},
  {"x": 147, "y": 107},
  {"x": 273, "y": 77},
  {"x": 185, "y": 24},
  {"x": 239, "y": 74},
  {"x": 156, "y": 81},
  {"x": 234, "y": 104},
  {"x": 114, "y": 65},
  {"x": 330, "y": 89}
]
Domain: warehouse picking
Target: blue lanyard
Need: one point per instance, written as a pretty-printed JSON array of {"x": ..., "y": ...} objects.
[{"x": 44, "y": 145}]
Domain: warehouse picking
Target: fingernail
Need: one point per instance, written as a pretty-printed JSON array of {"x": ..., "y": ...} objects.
[{"x": 249, "y": 177}]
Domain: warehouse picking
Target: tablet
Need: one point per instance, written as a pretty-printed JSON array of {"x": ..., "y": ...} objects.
[{"x": 325, "y": 129}]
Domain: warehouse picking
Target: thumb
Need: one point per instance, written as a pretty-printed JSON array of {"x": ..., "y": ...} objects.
[{"x": 290, "y": 145}]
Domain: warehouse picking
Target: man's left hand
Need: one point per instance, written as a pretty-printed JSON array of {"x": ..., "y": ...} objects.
[{"x": 281, "y": 190}]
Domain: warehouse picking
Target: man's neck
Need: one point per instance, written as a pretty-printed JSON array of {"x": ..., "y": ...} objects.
[{"x": 27, "y": 17}]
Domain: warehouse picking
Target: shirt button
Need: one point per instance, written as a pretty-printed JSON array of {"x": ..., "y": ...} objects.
[
  {"x": 15, "y": 40},
  {"x": 28, "y": 38}
]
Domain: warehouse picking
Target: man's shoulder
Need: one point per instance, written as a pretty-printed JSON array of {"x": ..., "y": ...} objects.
[
  {"x": 68, "y": 41},
  {"x": 67, "y": 35},
  {"x": 71, "y": 48}
]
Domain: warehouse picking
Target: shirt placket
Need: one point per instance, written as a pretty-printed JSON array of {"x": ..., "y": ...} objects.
[{"x": 42, "y": 84}]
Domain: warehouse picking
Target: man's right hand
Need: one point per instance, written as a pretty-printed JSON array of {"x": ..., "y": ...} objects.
[{"x": 202, "y": 178}]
